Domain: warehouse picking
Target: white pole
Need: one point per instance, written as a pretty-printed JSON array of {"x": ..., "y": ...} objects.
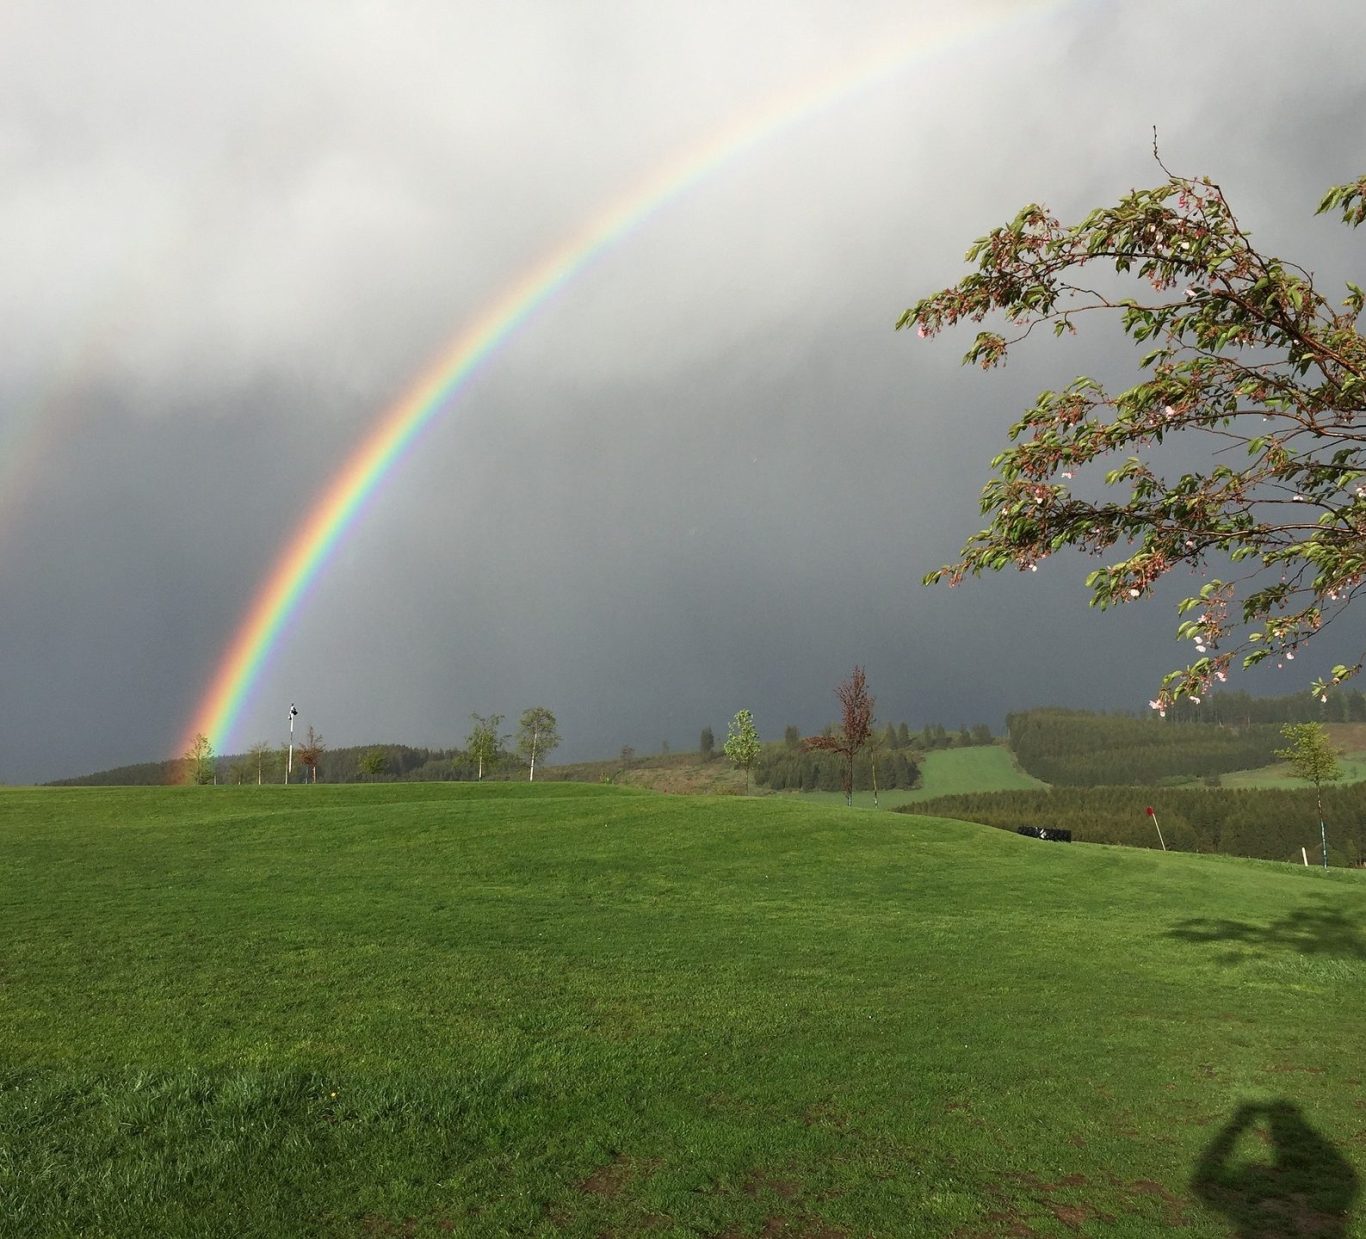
[
  {"x": 1152, "y": 813},
  {"x": 1305, "y": 853},
  {"x": 289, "y": 767}
]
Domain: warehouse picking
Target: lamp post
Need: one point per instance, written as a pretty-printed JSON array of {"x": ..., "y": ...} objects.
[{"x": 289, "y": 765}]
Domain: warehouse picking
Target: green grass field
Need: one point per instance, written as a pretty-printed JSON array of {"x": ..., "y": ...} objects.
[
  {"x": 433, "y": 1009},
  {"x": 1353, "y": 768},
  {"x": 1348, "y": 739},
  {"x": 946, "y": 772}
]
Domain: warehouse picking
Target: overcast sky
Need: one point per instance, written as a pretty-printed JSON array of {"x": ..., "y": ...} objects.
[{"x": 706, "y": 475}]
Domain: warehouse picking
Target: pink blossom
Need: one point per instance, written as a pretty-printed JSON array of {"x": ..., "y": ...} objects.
[
  {"x": 1067, "y": 473},
  {"x": 920, "y": 330},
  {"x": 1133, "y": 593}
]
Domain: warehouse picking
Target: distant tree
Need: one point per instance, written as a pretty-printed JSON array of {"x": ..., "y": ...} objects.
[
  {"x": 742, "y": 743},
  {"x": 311, "y": 752},
  {"x": 903, "y": 736},
  {"x": 484, "y": 743},
  {"x": 889, "y": 736},
  {"x": 856, "y": 726},
  {"x": 664, "y": 748},
  {"x": 792, "y": 735},
  {"x": 536, "y": 735},
  {"x": 1312, "y": 758},
  {"x": 628, "y": 755},
  {"x": 200, "y": 759},
  {"x": 260, "y": 755},
  {"x": 241, "y": 770},
  {"x": 981, "y": 733},
  {"x": 1258, "y": 374},
  {"x": 373, "y": 763},
  {"x": 708, "y": 742}
]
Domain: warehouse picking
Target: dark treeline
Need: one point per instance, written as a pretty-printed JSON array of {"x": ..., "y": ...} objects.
[
  {"x": 1266, "y": 823},
  {"x": 894, "y": 758},
  {"x": 402, "y": 763},
  {"x": 1074, "y": 748},
  {"x": 142, "y": 774},
  {"x": 784, "y": 769},
  {"x": 1344, "y": 705}
]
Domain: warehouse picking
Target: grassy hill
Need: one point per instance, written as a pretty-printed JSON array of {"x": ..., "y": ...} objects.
[
  {"x": 1349, "y": 739},
  {"x": 576, "y": 1010}
]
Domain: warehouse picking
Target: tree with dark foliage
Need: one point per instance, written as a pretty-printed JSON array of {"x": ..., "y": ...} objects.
[
  {"x": 855, "y": 730},
  {"x": 311, "y": 753}
]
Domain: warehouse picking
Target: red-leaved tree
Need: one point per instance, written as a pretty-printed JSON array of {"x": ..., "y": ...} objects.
[{"x": 856, "y": 727}]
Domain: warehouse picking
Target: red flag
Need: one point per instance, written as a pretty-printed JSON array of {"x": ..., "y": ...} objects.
[{"x": 1150, "y": 811}]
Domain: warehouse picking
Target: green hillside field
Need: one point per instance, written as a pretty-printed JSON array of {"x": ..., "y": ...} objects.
[
  {"x": 454, "y": 1009},
  {"x": 1347, "y": 739},
  {"x": 946, "y": 772}
]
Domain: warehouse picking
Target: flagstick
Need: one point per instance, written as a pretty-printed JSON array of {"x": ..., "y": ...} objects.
[{"x": 1152, "y": 813}]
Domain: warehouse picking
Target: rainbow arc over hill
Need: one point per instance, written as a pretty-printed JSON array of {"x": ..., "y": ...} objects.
[{"x": 342, "y": 501}]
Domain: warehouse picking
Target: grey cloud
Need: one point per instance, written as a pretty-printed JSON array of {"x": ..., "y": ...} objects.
[{"x": 704, "y": 475}]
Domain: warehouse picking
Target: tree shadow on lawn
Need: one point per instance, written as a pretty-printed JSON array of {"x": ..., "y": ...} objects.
[
  {"x": 1294, "y": 1183},
  {"x": 1322, "y": 930}
]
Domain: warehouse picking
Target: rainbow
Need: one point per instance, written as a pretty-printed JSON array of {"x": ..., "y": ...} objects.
[{"x": 307, "y": 550}]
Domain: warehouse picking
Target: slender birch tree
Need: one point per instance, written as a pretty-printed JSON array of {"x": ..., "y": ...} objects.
[
  {"x": 484, "y": 743},
  {"x": 1312, "y": 758},
  {"x": 536, "y": 736}
]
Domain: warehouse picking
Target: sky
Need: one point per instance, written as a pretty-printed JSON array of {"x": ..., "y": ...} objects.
[{"x": 702, "y": 473}]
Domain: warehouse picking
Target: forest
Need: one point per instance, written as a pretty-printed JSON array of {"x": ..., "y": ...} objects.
[
  {"x": 1266, "y": 823},
  {"x": 1074, "y": 748},
  {"x": 892, "y": 760}
]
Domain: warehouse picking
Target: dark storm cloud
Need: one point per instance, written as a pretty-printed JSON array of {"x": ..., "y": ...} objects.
[{"x": 706, "y": 475}]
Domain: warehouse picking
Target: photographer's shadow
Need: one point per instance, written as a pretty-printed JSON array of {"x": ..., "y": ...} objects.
[{"x": 1294, "y": 1183}]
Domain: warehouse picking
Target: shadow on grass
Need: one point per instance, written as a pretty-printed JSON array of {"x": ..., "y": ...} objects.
[
  {"x": 1272, "y": 1175},
  {"x": 1310, "y": 931}
]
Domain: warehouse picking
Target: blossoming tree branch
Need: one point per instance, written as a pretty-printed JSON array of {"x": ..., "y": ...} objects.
[{"x": 1244, "y": 358}]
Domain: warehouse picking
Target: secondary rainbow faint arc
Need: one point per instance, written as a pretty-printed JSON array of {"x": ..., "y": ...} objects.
[{"x": 307, "y": 549}]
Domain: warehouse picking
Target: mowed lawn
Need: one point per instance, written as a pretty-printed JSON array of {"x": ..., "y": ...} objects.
[{"x": 591, "y": 1011}]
